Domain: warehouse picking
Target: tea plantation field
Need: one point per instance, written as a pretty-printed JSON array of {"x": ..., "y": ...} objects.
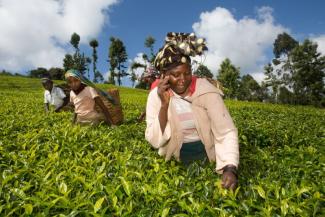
[{"x": 49, "y": 167}]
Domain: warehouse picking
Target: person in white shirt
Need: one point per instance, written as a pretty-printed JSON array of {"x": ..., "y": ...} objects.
[{"x": 53, "y": 96}]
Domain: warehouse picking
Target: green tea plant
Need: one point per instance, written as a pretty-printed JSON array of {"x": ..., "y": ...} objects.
[{"x": 49, "y": 167}]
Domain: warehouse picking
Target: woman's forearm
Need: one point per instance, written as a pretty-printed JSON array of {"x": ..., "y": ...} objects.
[{"x": 163, "y": 118}]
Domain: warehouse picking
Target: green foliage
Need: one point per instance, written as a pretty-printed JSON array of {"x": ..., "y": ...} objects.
[
  {"x": 74, "y": 41},
  {"x": 78, "y": 60},
  {"x": 272, "y": 81},
  {"x": 68, "y": 62},
  {"x": 97, "y": 75},
  {"x": 49, "y": 167},
  {"x": 203, "y": 72},
  {"x": 38, "y": 73},
  {"x": 53, "y": 73},
  {"x": 229, "y": 76},
  {"x": 249, "y": 89},
  {"x": 283, "y": 44},
  {"x": 308, "y": 74},
  {"x": 141, "y": 84},
  {"x": 298, "y": 72},
  {"x": 285, "y": 96},
  {"x": 133, "y": 77},
  {"x": 117, "y": 57},
  {"x": 56, "y": 73},
  {"x": 4, "y": 72},
  {"x": 149, "y": 42}
]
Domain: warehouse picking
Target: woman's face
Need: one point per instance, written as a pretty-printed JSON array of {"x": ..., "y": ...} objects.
[
  {"x": 74, "y": 83},
  {"x": 180, "y": 78}
]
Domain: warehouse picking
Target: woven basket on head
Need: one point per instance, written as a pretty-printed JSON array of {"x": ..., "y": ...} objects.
[{"x": 114, "y": 110}]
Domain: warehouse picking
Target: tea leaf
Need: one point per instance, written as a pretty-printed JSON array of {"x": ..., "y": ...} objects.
[{"x": 98, "y": 204}]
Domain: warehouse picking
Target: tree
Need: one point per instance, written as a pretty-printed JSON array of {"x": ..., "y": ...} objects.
[
  {"x": 76, "y": 61},
  {"x": 94, "y": 44},
  {"x": 39, "y": 73},
  {"x": 142, "y": 84},
  {"x": 299, "y": 73},
  {"x": 56, "y": 73},
  {"x": 308, "y": 74},
  {"x": 99, "y": 77},
  {"x": 272, "y": 81},
  {"x": 285, "y": 96},
  {"x": 5, "y": 72},
  {"x": 229, "y": 76},
  {"x": 203, "y": 71},
  {"x": 117, "y": 56},
  {"x": 133, "y": 78},
  {"x": 149, "y": 42},
  {"x": 79, "y": 60},
  {"x": 74, "y": 40},
  {"x": 249, "y": 89},
  {"x": 88, "y": 61},
  {"x": 68, "y": 62},
  {"x": 263, "y": 93},
  {"x": 279, "y": 75},
  {"x": 283, "y": 44}
]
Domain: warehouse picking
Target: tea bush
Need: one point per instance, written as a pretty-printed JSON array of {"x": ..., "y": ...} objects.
[{"x": 49, "y": 167}]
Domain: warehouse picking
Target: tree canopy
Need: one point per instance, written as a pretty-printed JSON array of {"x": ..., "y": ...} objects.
[
  {"x": 117, "y": 57},
  {"x": 229, "y": 76}
]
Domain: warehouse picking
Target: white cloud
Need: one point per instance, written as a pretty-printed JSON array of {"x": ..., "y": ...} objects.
[
  {"x": 321, "y": 43},
  {"x": 106, "y": 75},
  {"x": 258, "y": 76},
  {"x": 137, "y": 71},
  {"x": 244, "y": 41},
  {"x": 33, "y": 32},
  {"x": 138, "y": 59}
]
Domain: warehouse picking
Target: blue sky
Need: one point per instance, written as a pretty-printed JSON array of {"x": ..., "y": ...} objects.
[{"x": 36, "y": 32}]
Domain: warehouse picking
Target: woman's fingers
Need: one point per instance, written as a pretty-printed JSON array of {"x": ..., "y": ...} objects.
[
  {"x": 229, "y": 180},
  {"x": 233, "y": 186},
  {"x": 164, "y": 85},
  {"x": 164, "y": 80},
  {"x": 224, "y": 181}
]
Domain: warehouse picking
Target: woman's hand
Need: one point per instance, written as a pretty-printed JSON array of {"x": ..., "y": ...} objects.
[
  {"x": 163, "y": 93},
  {"x": 164, "y": 96},
  {"x": 229, "y": 177}
]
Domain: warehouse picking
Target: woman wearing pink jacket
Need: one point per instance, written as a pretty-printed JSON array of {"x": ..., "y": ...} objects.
[{"x": 186, "y": 116}]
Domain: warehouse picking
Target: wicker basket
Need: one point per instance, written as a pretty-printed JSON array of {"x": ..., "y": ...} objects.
[{"x": 114, "y": 110}]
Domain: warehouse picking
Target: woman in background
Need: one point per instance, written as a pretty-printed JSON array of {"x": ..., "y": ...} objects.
[{"x": 84, "y": 96}]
